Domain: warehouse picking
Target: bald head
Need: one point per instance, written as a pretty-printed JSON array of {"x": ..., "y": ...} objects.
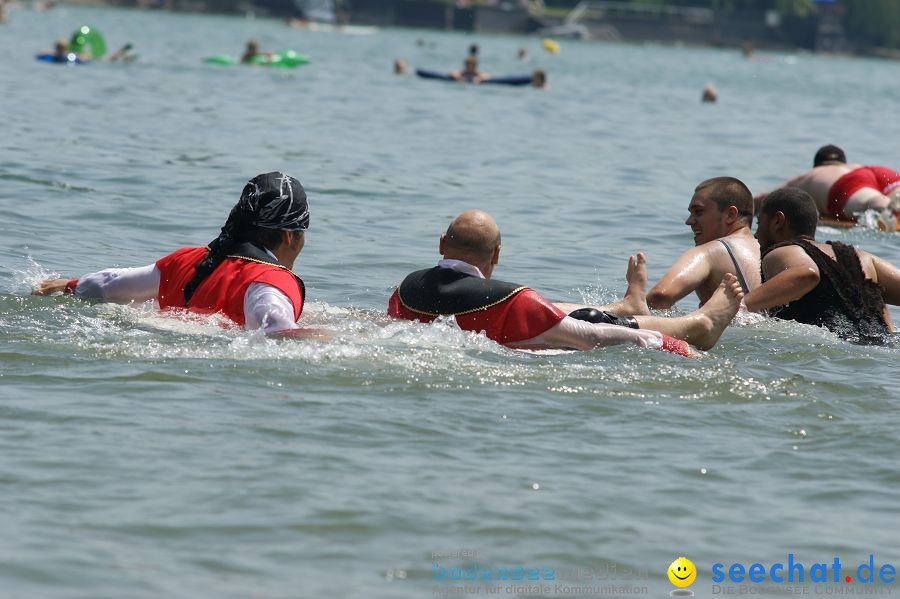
[{"x": 473, "y": 237}]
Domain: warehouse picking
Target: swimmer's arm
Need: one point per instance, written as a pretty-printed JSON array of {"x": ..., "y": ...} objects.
[
  {"x": 790, "y": 274},
  {"x": 267, "y": 308},
  {"x": 116, "y": 285},
  {"x": 688, "y": 273},
  {"x": 889, "y": 278}
]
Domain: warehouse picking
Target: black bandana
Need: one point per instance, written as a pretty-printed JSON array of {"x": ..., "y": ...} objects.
[
  {"x": 271, "y": 201},
  {"x": 274, "y": 201}
]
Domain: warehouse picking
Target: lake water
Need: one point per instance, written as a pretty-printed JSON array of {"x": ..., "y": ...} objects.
[{"x": 143, "y": 456}]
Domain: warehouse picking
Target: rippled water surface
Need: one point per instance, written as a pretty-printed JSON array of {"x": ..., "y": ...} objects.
[{"x": 143, "y": 456}]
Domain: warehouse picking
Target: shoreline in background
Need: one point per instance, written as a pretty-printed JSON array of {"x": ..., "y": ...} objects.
[{"x": 671, "y": 26}]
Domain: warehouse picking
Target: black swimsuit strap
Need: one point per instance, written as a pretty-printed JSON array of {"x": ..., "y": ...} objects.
[{"x": 737, "y": 267}]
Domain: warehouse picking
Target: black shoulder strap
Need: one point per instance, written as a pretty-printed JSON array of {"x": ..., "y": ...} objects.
[
  {"x": 737, "y": 267},
  {"x": 847, "y": 257}
]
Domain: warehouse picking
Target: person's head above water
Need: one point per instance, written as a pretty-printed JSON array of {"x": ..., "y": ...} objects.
[
  {"x": 786, "y": 213},
  {"x": 539, "y": 78},
  {"x": 61, "y": 46},
  {"x": 473, "y": 237},
  {"x": 829, "y": 154},
  {"x": 252, "y": 47},
  {"x": 272, "y": 213},
  {"x": 719, "y": 207},
  {"x": 473, "y": 50}
]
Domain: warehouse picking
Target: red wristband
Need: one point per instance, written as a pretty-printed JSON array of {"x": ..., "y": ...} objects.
[
  {"x": 676, "y": 346},
  {"x": 69, "y": 289}
]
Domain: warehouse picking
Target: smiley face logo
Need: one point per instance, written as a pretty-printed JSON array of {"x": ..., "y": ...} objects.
[{"x": 682, "y": 572}]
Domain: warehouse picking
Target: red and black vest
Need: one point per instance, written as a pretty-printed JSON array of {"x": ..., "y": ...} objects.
[
  {"x": 223, "y": 290},
  {"x": 506, "y": 312}
]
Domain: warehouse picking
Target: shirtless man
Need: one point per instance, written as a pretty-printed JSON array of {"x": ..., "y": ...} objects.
[
  {"x": 844, "y": 190},
  {"x": 517, "y": 316},
  {"x": 252, "y": 53},
  {"x": 470, "y": 72},
  {"x": 829, "y": 284},
  {"x": 721, "y": 212}
]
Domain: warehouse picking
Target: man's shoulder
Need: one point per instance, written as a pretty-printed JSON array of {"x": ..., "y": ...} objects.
[
  {"x": 789, "y": 254},
  {"x": 185, "y": 252}
]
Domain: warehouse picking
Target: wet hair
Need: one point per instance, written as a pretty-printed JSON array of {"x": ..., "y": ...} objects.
[
  {"x": 798, "y": 207},
  {"x": 829, "y": 153},
  {"x": 728, "y": 191},
  {"x": 473, "y": 50},
  {"x": 269, "y": 204},
  {"x": 470, "y": 240}
]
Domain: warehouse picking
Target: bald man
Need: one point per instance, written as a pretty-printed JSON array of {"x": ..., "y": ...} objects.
[{"x": 519, "y": 317}]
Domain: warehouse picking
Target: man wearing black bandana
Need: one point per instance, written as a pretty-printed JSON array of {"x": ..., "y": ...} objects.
[{"x": 245, "y": 273}]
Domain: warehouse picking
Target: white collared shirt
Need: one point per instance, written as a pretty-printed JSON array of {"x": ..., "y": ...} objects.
[{"x": 461, "y": 266}]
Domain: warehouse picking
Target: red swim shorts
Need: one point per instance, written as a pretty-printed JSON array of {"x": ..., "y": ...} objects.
[{"x": 879, "y": 178}]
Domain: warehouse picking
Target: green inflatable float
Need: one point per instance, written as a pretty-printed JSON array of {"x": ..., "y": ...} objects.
[
  {"x": 287, "y": 59},
  {"x": 87, "y": 41}
]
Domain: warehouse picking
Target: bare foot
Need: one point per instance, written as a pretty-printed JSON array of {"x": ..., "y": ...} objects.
[
  {"x": 635, "y": 300},
  {"x": 717, "y": 313}
]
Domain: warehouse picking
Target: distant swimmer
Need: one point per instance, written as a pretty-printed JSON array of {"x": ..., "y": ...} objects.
[
  {"x": 518, "y": 317},
  {"x": 845, "y": 190},
  {"x": 522, "y": 54},
  {"x": 831, "y": 284},
  {"x": 720, "y": 215},
  {"x": 539, "y": 79},
  {"x": 252, "y": 53},
  {"x": 470, "y": 72},
  {"x": 245, "y": 273},
  {"x": 400, "y": 67},
  {"x": 62, "y": 54},
  {"x": 710, "y": 94}
]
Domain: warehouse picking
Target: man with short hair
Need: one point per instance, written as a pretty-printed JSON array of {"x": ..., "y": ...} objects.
[
  {"x": 844, "y": 190},
  {"x": 245, "y": 273},
  {"x": 828, "y": 284},
  {"x": 720, "y": 216},
  {"x": 470, "y": 72},
  {"x": 516, "y": 316}
]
